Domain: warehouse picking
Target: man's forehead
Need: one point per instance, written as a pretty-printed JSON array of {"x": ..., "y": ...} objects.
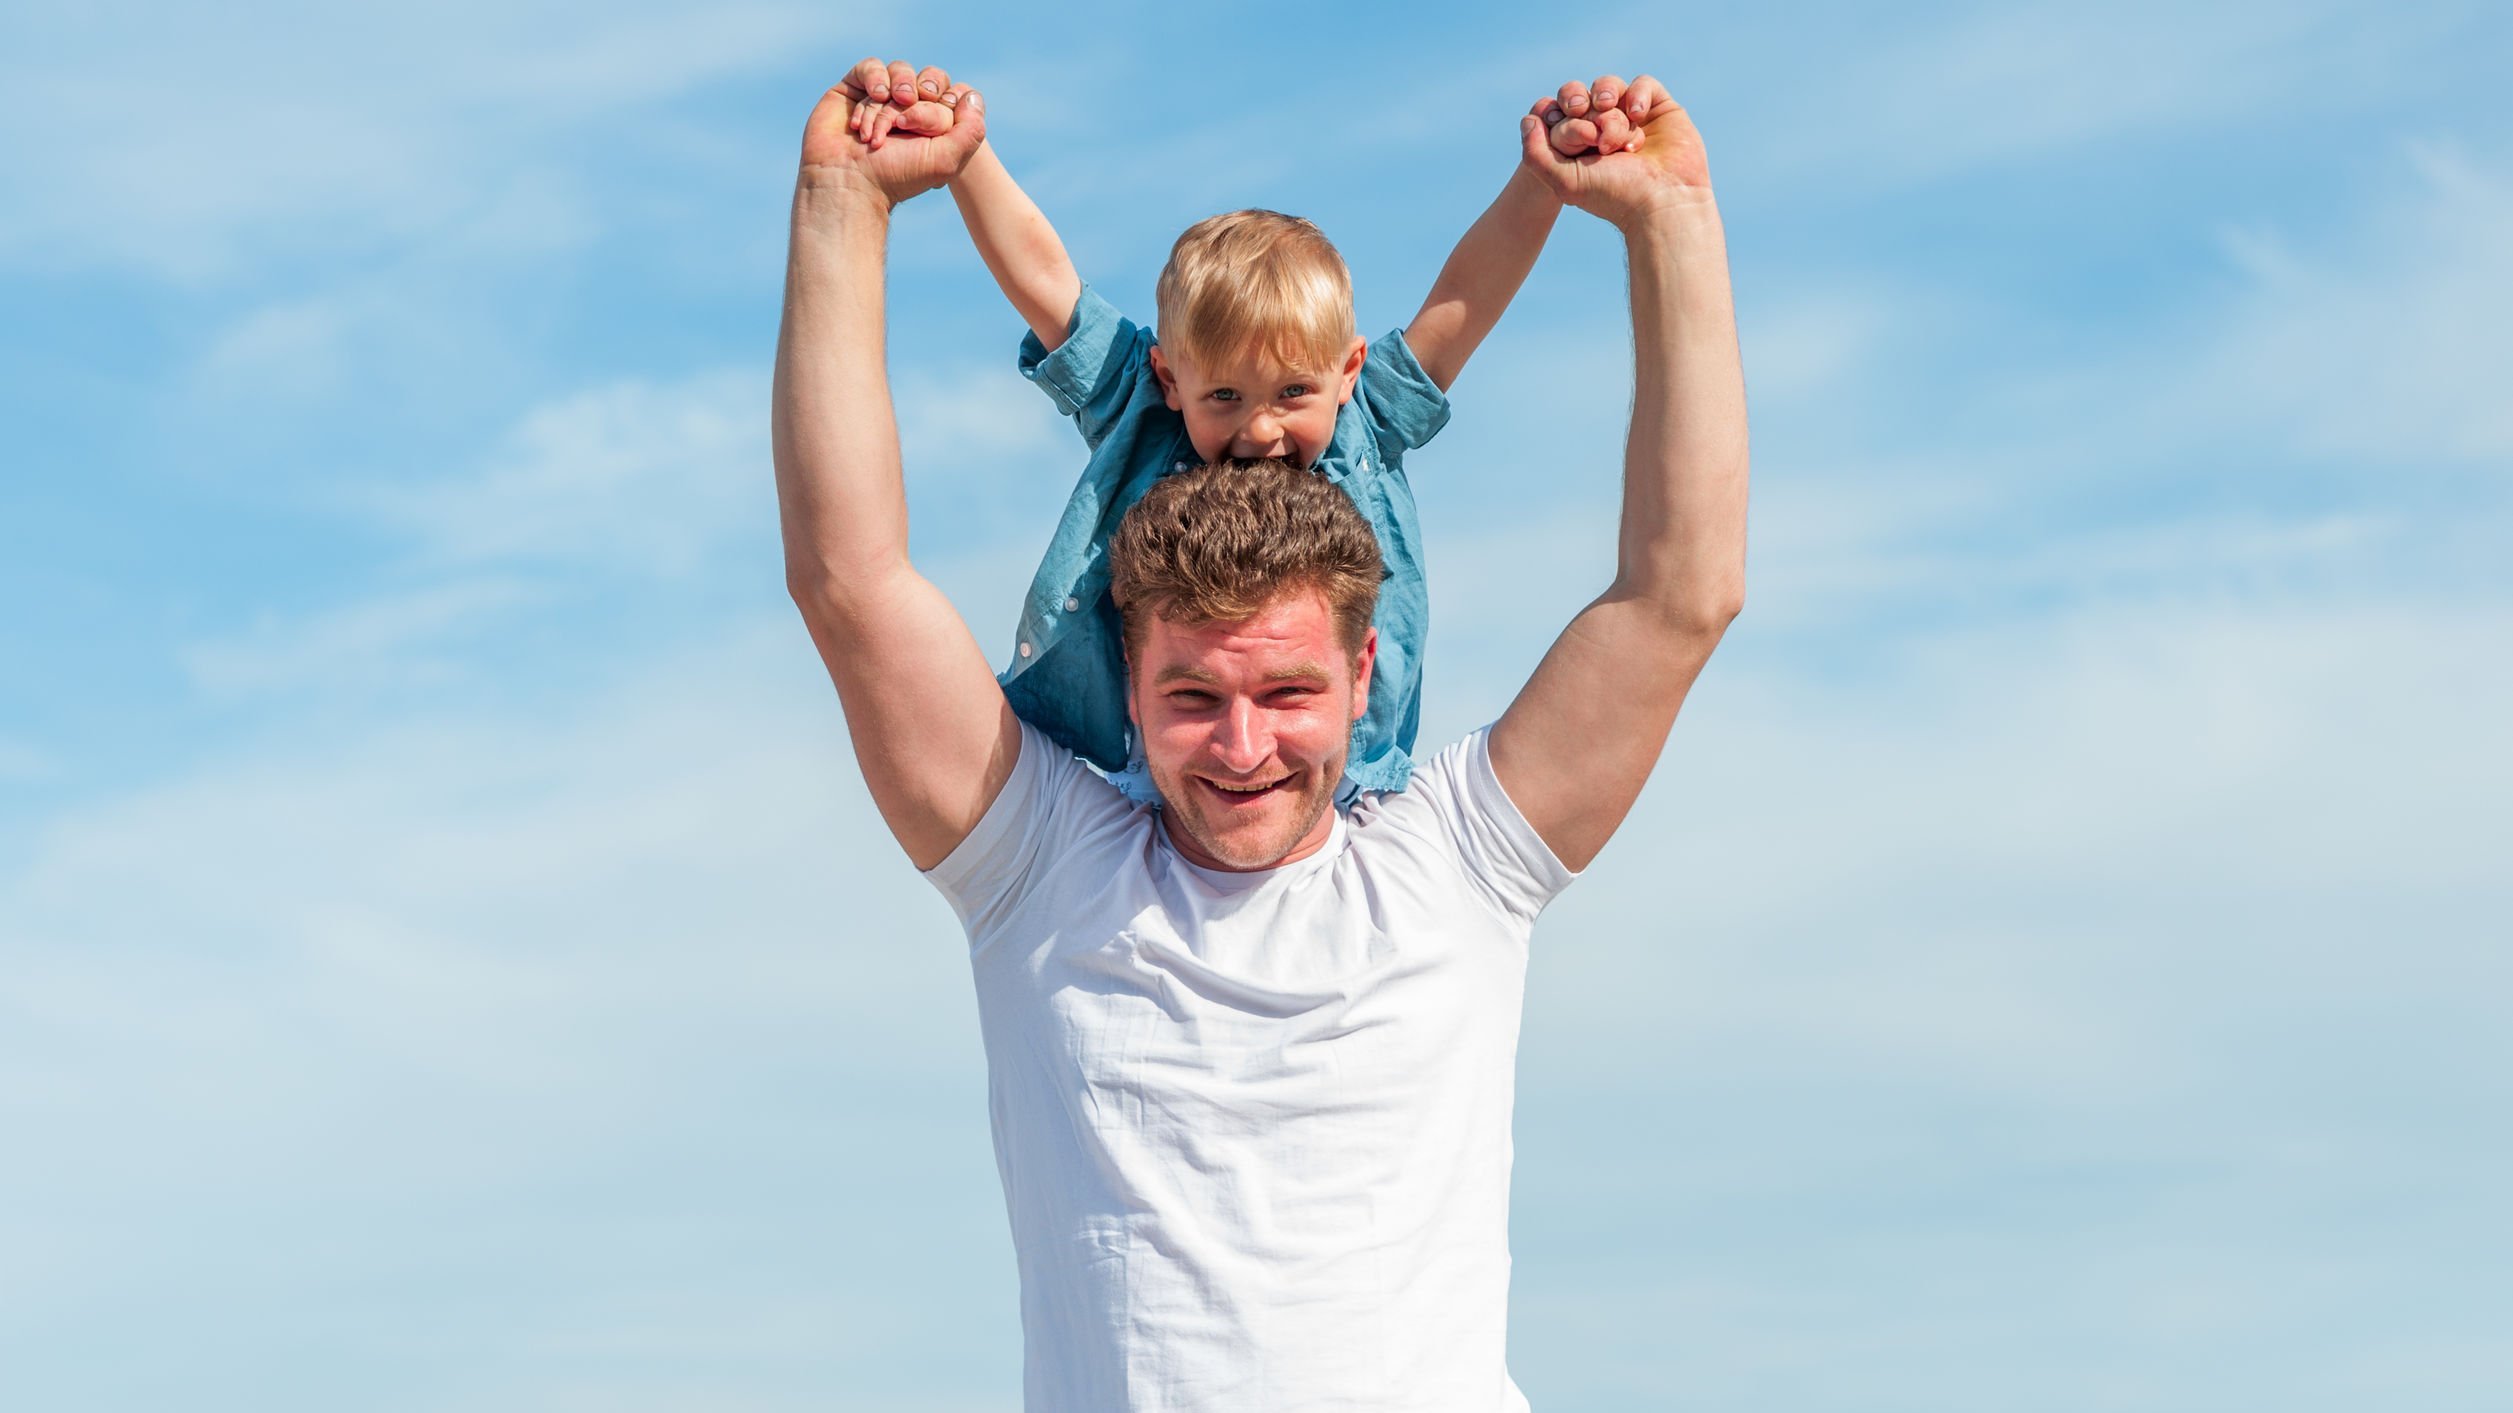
[{"x": 1292, "y": 637}]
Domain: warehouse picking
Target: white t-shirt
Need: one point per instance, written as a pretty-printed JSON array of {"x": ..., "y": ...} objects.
[{"x": 1254, "y": 1128}]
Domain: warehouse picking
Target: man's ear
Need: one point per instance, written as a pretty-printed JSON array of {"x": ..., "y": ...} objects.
[
  {"x": 1354, "y": 357},
  {"x": 1169, "y": 380},
  {"x": 1368, "y": 658}
]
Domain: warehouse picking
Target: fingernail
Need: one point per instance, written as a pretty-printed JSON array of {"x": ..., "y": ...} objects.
[
  {"x": 929, "y": 87},
  {"x": 1527, "y": 124}
]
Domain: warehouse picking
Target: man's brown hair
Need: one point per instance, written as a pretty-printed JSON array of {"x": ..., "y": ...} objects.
[{"x": 1220, "y": 542}]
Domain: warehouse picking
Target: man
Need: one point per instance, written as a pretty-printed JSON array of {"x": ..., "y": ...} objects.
[{"x": 1250, "y": 1055}]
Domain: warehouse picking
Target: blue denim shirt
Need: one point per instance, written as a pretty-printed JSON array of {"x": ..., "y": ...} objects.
[{"x": 1068, "y": 671}]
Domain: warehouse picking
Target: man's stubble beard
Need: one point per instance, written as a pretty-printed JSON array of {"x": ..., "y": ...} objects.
[{"x": 1318, "y": 796}]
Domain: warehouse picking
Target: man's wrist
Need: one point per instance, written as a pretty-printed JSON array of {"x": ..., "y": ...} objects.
[
  {"x": 838, "y": 194},
  {"x": 1686, "y": 214}
]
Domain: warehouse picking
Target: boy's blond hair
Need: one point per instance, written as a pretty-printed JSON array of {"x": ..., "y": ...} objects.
[{"x": 1257, "y": 281}]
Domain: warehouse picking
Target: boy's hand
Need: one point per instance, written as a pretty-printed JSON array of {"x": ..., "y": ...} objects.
[
  {"x": 848, "y": 137},
  {"x": 1615, "y": 149},
  {"x": 894, "y": 97}
]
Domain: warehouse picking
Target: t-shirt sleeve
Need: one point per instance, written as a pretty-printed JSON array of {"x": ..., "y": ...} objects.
[
  {"x": 994, "y": 867},
  {"x": 1404, "y": 406},
  {"x": 1505, "y": 860},
  {"x": 1093, "y": 372}
]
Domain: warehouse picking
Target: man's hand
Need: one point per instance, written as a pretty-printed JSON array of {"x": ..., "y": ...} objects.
[
  {"x": 1619, "y": 151},
  {"x": 849, "y": 138}
]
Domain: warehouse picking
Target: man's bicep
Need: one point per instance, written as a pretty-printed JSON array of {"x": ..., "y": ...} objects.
[
  {"x": 1575, "y": 748},
  {"x": 931, "y": 729}
]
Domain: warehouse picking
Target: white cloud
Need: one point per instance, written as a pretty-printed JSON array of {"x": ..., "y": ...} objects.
[
  {"x": 639, "y": 478},
  {"x": 968, "y": 419},
  {"x": 1999, "y": 84},
  {"x": 2389, "y": 350},
  {"x": 379, "y": 644},
  {"x": 227, "y": 141},
  {"x": 20, "y": 760}
]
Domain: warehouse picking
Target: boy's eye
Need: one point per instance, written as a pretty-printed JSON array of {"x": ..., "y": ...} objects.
[
  {"x": 1224, "y": 394},
  {"x": 1296, "y": 390}
]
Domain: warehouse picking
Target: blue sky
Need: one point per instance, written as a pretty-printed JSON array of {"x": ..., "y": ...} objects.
[{"x": 446, "y": 959}]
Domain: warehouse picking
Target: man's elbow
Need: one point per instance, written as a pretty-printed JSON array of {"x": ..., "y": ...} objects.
[
  {"x": 1721, "y": 611},
  {"x": 834, "y": 597},
  {"x": 1699, "y": 614}
]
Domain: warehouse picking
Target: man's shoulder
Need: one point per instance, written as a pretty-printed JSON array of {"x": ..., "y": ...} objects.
[
  {"x": 1454, "y": 809},
  {"x": 1054, "y": 817},
  {"x": 1432, "y": 791}
]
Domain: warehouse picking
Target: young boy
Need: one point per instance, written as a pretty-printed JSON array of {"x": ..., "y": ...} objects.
[{"x": 1256, "y": 358}]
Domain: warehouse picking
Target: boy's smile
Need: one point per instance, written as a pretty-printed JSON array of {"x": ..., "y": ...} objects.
[{"x": 1256, "y": 406}]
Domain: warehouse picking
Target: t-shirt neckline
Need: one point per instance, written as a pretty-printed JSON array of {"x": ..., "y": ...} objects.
[{"x": 1239, "y": 881}]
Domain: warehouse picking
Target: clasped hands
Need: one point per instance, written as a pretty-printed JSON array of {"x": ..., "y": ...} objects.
[{"x": 1620, "y": 150}]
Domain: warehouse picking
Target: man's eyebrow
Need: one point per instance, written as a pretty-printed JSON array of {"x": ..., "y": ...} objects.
[{"x": 1304, "y": 671}]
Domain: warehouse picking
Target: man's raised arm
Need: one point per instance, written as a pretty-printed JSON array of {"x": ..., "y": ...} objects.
[
  {"x": 1575, "y": 748},
  {"x": 932, "y": 732}
]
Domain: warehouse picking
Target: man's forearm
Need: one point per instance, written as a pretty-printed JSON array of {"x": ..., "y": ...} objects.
[
  {"x": 841, "y": 501},
  {"x": 1482, "y": 276},
  {"x": 1020, "y": 248},
  {"x": 1682, "y": 545}
]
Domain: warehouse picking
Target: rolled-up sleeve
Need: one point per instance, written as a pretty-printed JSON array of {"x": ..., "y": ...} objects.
[
  {"x": 1404, "y": 406},
  {"x": 1091, "y": 373}
]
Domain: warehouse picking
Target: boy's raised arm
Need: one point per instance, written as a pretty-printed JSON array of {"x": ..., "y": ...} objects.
[
  {"x": 932, "y": 732},
  {"x": 1482, "y": 276},
  {"x": 1019, "y": 247}
]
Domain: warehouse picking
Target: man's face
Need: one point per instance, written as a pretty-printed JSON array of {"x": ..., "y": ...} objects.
[
  {"x": 1256, "y": 406},
  {"x": 1246, "y": 726}
]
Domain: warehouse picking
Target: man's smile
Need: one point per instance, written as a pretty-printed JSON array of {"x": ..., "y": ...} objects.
[{"x": 1249, "y": 789}]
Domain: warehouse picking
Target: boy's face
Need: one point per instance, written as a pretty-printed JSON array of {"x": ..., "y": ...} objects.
[
  {"x": 1246, "y": 727},
  {"x": 1255, "y": 406}
]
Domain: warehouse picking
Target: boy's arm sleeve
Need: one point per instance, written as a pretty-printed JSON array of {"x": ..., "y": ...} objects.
[
  {"x": 1404, "y": 406},
  {"x": 1091, "y": 375}
]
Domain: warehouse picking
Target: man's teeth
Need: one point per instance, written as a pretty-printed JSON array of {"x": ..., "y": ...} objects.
[{"x": 1246, "y": 789}]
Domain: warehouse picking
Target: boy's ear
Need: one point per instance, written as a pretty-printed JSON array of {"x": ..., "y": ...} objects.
[
  {"x": 1354, "y": 357},
  {"x": 1169, "y": 380}
]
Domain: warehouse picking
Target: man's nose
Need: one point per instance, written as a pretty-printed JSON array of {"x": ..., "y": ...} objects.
[{"x": 1241, "y": 742}]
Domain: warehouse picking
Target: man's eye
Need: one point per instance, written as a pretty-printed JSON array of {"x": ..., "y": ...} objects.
[{"x": 1191, "y": 699}]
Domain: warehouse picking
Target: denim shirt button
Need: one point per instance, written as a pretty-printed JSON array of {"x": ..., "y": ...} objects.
[
  {"x": 1025, "y": 650},
  {"x": 1177, "y": 466},
  {"x": 1073, "y": 605}
]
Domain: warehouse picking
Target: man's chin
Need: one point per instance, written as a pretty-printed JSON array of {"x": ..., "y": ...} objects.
[{"x": 1222, "y": 829}]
